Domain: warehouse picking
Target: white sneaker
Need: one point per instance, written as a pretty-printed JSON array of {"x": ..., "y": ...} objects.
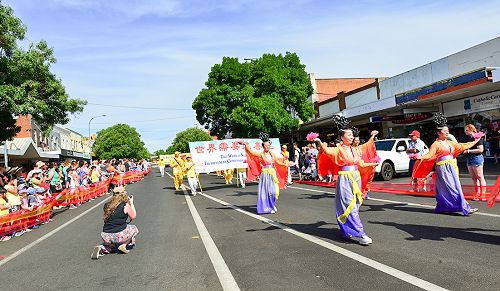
[{"x": 362, "y": 240}]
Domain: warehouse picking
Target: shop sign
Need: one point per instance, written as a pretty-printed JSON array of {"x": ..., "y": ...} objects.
[
  {"x": 473, "y": 104},
  {"x": 402, "y": 119},
  {"x": 413, "y": 117}
]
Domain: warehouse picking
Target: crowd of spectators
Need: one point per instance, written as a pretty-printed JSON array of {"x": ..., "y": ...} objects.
[
  {"x": 26, "y": 190},
  {"x": 305, "y": 162}
]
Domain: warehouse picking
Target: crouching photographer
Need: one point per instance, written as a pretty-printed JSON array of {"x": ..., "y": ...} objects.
[{"x": 117, "y": 235}]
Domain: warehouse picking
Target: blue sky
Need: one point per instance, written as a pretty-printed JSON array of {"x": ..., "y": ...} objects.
[{"x": 157, "y": 53}]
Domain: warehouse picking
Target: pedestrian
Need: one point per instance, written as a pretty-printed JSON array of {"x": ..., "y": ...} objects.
[
  {"x": 191, "y": 175},
  {"x": 475, "y": 162},
  {"x": 415, "y": 150},
  {"x": 298, "y": 160},
  {"x": 345, "y": 161},
  {"x": 272, "y": 172},
  {"x": 117, "y": 235},
  {"x": 494, "y": 143},
  {"x": 449, "y": 195}
]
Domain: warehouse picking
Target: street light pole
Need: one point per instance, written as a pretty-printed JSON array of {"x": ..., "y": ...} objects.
[
  {"x": 5, "y": 155},
  {"x": 89, "y": 132}
]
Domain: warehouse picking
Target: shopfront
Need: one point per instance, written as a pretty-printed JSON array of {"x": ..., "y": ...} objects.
[{"x": 481, "y": 110}]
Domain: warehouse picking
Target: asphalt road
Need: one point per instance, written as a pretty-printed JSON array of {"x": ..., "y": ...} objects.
[{"x": 299, "y": 248}]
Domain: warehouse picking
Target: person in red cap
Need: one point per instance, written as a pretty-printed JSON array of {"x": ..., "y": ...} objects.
[{"x": 415, "y": 150}]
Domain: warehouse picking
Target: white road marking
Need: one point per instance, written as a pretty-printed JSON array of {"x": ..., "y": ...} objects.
[
  {"x": 46, "y": 236},
  {"x": 394, "y": 201},
  {"x": 225, "y": 277},
  {"x": 352, "y": 255}
]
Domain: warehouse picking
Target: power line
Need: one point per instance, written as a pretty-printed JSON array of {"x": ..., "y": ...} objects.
[
  {"x": 148, "y": 120},
  {"x": 137, "y": 107}
]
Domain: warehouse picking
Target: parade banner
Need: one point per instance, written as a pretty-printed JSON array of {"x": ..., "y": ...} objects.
[{"x": 215, "y": 155}]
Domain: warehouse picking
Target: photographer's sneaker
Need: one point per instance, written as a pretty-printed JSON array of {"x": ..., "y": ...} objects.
[
  {"x": 123, "y": 248},
  {"x": 96, "y": 253}
]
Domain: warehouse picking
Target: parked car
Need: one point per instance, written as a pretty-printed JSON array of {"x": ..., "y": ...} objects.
[{"x": 393, "y": 157}]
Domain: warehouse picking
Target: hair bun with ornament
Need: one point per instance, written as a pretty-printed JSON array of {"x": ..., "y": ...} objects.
[
  {"x": 340, "y": 122},
  {"x": 264, "y": 136},
  {"x": 439, "y": 120}
]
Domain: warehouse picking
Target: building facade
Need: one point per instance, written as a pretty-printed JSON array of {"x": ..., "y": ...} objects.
[{"x": 464, "y": 86}]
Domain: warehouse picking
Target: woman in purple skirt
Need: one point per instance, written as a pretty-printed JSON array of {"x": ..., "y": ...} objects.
[
  {"x": 449, "y": 195},
  {"x": 353, "y": 175},
  {"x": 273, "y": 173}
]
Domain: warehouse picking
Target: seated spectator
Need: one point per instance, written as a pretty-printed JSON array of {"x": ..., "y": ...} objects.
[
  {"x": 12, "y": 196},
  {"x": 4, "y": 205},
  {"x": 94, "y": 175}
]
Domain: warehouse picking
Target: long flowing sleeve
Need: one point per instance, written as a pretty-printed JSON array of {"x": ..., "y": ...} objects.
[
  {"x": 281, "y": 171},
  {"x": 460, "y": 147},
  {"x": 425, "y": 164},
  {"x": 327, "y": 159},
  {"x": 432, "y": 152},
  {"x": 253, "y": 161}
]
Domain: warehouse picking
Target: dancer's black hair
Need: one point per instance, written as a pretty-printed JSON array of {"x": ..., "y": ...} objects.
[
  {"x": 264, "y": 137},
  {"x": 440, "y": 121},
  {"x": 342, "y": 124}
]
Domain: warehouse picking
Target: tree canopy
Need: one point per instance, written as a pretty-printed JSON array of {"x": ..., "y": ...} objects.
[
  {"x": 27, "y": 86},
  {"x": 268, "y": 94},
  {"x": 183, "y": 138},
  {"x": 119, "y": 141}
]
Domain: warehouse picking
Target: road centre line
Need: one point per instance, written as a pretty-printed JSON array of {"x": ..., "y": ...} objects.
[
  {"x": 352, "y": 255},
  {"x": 394, "y": 201},
  {"x": 225, "y": 276},
  {"x": 46, "y": 236}
]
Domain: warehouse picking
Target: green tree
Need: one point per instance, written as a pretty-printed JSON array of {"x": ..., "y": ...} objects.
[
  {"x": 119, "y": 141},
  {"x": 27, "y": 86},
  {"x": 268, "y": 94},
  {"x": 183, "y": 138}
]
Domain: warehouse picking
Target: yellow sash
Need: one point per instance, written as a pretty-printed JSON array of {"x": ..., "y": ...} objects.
[
  {"x": 272, "y": 172},
  {"x": 453, "y": 162},
  {"x": 355, "y": 191}
]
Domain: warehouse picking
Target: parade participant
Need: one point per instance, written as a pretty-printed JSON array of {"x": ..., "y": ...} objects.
[
  {"x": 449, "y": 195},
  {"x": 494, "y": 140},
  {"x": 296, "y": 160},
  {"x": 228, "y": 175},
  {"x": 356, "y": 146},
  {"x": 177, "y": 165},
  {"x": 286, "y": 160},
  {"x": 475, "y": 162},
  {"x": 353, "y": 174},
  {"x": 242, "y": 175},
  {"x": 191, "y": 175},
  {"x": 161, "y": 165},
  {"x": 415, "y": 150},
  {"x": 272, "y": 174},
  {"x": 116, "y": 234}
]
